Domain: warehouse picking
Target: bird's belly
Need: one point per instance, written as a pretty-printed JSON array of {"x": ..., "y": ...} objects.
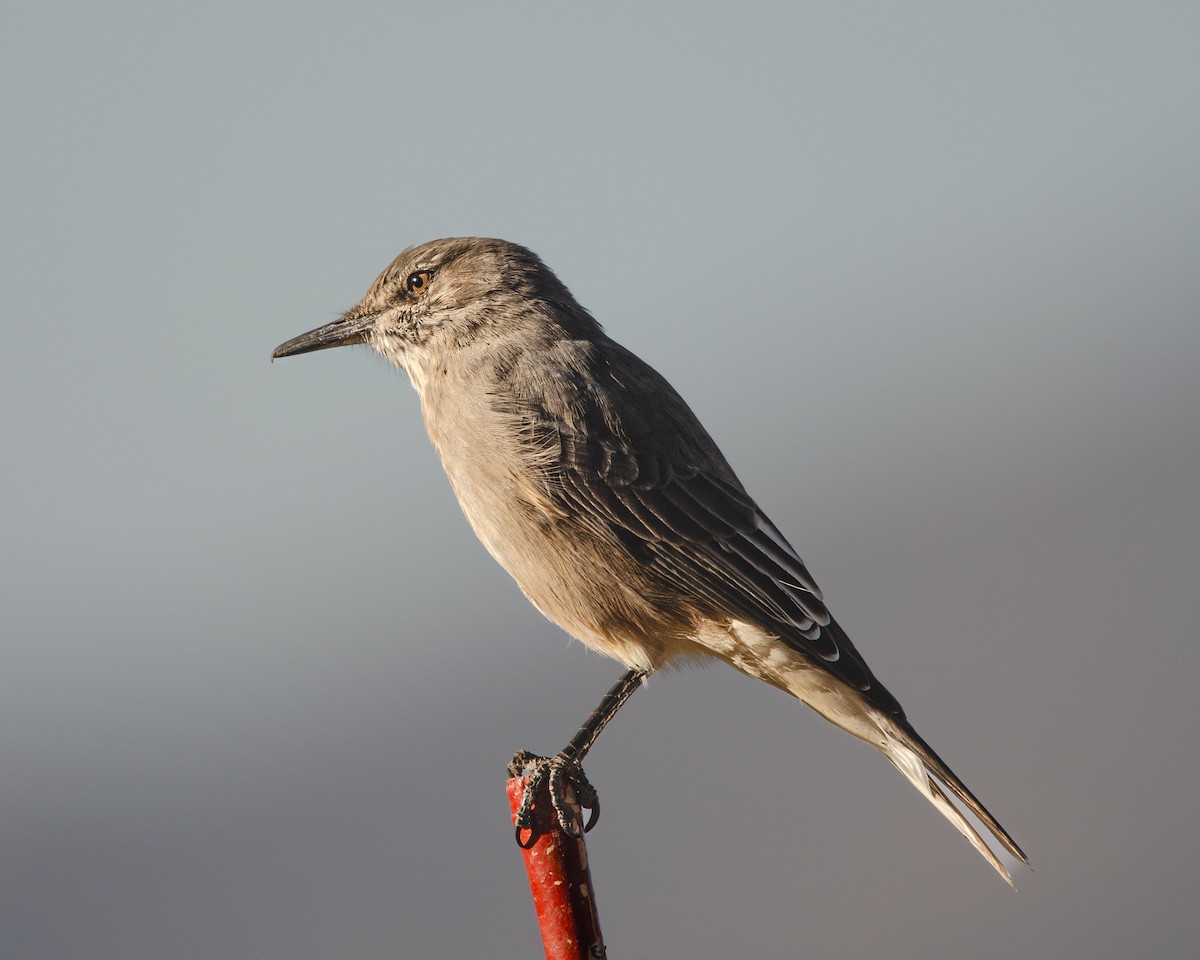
[{"x": 572, "y": 578}]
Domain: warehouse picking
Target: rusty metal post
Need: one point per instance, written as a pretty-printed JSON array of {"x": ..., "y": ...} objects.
[{"x": 563, "y": 895}]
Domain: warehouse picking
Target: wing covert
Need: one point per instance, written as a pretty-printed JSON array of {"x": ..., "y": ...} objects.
[{"x": 704, "y": 534}]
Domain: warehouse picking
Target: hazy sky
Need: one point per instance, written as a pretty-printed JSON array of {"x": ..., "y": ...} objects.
[{"x": 929, "y": 272}]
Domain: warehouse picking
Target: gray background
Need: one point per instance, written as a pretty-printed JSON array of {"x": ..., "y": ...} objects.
[{"x": 929, "y": 273}]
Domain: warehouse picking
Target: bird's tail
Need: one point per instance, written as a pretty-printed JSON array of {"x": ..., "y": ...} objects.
[
  {"x": 914, "y": 758},
  {"x": 877, "y": 721}
]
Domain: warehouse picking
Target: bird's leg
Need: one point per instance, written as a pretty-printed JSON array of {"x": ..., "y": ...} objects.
[{"x": 564, "y": 769}]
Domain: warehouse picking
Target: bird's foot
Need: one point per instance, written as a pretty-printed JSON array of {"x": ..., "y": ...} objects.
[{"x": 557, "y": 774}]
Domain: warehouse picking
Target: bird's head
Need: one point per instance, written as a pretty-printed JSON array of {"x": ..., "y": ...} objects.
[{"x": 444, "y": 295}]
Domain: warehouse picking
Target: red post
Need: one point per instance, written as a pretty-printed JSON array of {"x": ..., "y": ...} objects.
[{"x": 563, "y": 895}]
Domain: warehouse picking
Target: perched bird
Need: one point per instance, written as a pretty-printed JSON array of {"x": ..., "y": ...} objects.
[{"x": 594, "y": 485}]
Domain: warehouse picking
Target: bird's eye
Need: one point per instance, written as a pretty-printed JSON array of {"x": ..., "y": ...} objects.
[{"x": 418, "y": 282}]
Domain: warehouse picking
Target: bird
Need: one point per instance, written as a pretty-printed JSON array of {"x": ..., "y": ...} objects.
[{"x": 592, "y": 482}]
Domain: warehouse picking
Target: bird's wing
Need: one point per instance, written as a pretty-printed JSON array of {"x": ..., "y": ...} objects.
[{"x": 683, "y": 513}]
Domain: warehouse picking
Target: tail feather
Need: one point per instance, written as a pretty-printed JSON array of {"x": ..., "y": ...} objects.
[
  {"x": 872, "y": 716},
  {"x": 913, "y": 757}
]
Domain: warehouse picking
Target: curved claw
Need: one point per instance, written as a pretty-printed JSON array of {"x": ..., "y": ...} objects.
[
  {"x": 586, "y": 797},
  {"x": 556, "y": 773},
  {"x": 533, "y": 838}
]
